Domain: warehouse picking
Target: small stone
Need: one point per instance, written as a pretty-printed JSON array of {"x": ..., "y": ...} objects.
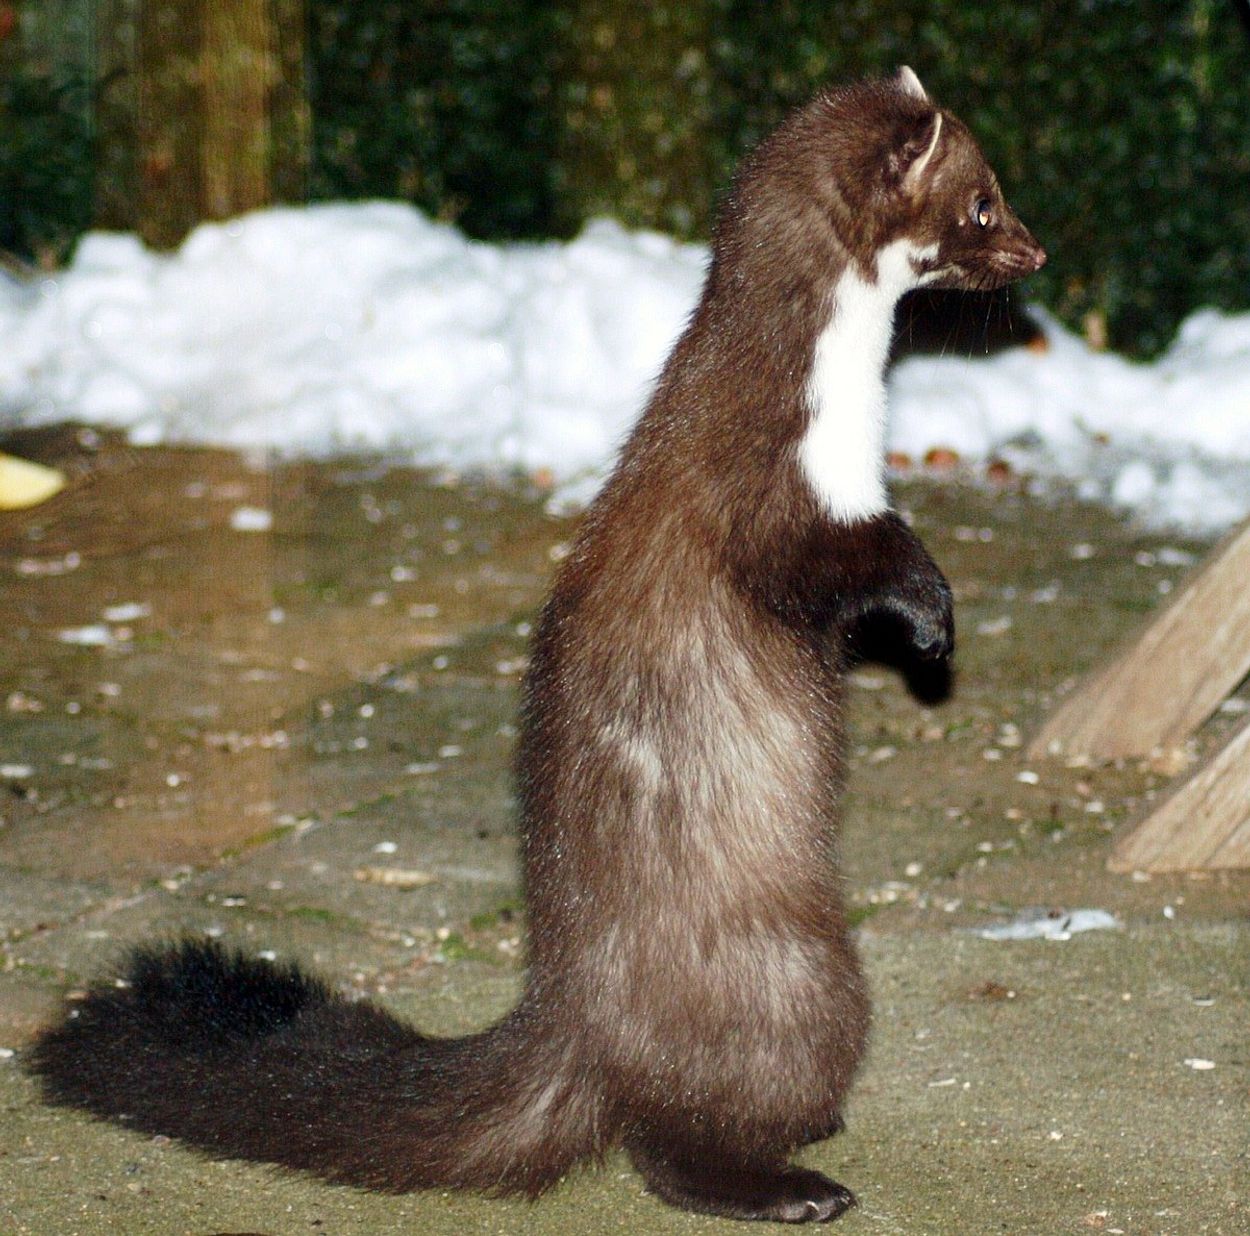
[
  {"x": 96, "y": 635},
  {"x": 131, "y": 611},
  {"x": 995, "y": 626},
  {"x": 394, "y": 877},
  {"x": 251, "y": 519}
]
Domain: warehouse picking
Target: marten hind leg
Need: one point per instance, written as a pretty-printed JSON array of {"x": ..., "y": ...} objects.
[{"x": 715, "y": 1185}]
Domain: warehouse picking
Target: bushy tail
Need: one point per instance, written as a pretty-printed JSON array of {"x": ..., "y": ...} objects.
[{"x": 247, "y": 1059}]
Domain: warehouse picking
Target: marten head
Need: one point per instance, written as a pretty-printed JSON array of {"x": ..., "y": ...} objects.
[{"x": 867, "y": 165}]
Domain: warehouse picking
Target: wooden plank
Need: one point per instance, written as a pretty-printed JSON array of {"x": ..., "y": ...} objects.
[
  {"x": 1205, "y": 822},
  {"x": 1187, "y": 660}
]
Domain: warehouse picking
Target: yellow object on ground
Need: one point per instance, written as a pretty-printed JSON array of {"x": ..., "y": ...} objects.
[{"x": 24, "y": 484}]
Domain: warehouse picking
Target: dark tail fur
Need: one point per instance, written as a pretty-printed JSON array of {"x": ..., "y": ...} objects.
[{"x": 252, "y": 1060}]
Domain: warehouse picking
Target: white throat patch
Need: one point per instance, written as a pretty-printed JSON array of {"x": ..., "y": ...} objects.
[{"x": 843, "y": 451}]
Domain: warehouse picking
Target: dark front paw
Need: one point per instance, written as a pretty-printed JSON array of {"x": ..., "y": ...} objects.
[
  {"x": 910, "y": 593},
  {"x": 918, "y": 613},
  {"x": 929, "y": 617}
]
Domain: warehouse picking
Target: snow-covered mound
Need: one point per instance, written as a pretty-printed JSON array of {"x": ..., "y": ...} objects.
[
  {"x": 344, "y": 327},
  {"x": 1168, "y": 440}
]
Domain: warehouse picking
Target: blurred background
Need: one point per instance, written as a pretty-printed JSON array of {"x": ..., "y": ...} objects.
[{"x": 1121, "y": 131}]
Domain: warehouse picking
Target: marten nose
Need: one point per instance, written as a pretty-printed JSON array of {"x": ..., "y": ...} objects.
[{"x": 1039, "y": 258}]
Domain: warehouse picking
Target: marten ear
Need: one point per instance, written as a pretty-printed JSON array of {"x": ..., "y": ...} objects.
[
  {"x": 909, "y": 83},
  {"x": 909, "y": 162}
]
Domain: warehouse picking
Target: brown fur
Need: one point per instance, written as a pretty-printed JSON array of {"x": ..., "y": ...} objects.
[{"x": 693, "y": 990}]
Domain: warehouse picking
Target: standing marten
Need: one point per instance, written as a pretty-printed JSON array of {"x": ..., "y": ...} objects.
[{"x": 693, "y": 991}]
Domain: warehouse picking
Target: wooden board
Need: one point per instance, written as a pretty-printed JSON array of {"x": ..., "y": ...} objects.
[
  {"x": 1178, "y": 671},
  {"x": 1205, "y": 822}
]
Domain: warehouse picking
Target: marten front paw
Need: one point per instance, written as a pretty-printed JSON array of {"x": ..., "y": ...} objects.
[
  {"x": 911, "y": 594},
  {"x": 920, "y": 609},
  {"x": 930, "y": 620}
]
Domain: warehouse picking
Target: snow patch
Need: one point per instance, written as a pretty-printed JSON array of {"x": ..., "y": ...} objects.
[{"x": 369, "y": 327}]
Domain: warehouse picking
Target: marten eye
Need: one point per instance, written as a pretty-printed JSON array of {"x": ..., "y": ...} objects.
[{"x": 983, "y": 212}]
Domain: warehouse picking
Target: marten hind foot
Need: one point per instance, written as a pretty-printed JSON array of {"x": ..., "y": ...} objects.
[{"x": 781, "y": 1194}]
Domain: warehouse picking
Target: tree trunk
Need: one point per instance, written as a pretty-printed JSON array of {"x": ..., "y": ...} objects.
[
  {"x": 238, "y": 72},
  {"x": 169, "y": 121},
  {"x": 290, "y": 114},
  {"x": 222, "y": 119}
]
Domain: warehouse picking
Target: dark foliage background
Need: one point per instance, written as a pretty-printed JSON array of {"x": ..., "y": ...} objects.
[
  {"x": 1121, "y": 131},
  {"x": 45, "y": 143}
]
